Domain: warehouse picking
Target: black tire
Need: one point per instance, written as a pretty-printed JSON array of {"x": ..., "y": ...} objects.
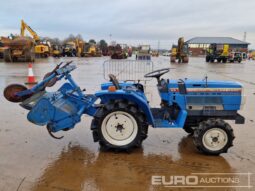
[
  {"x": 7, "y": 55},
  {"x": 208, "y": 125},
  {"x": 188, "y": 129},
  {"x": 224, "y": 60},
  {"x": 207, "y": 58},
  {"x": 119, "y": 106}
]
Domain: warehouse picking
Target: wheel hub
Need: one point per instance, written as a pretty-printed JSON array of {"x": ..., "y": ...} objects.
[
  {"x": 119, "y": 128},
  {"x": 215, "y": 139}
]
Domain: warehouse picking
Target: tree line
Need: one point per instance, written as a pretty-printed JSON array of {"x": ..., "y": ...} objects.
[{"x": 56, "y": 41}]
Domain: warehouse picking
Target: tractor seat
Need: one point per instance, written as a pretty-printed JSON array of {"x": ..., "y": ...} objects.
[{"x": 163, "y": 85}]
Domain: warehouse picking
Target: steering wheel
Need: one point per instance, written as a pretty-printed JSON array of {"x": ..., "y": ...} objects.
[
  {"x": 114, "y": 81},
  {"x": 157, "y": 73}
]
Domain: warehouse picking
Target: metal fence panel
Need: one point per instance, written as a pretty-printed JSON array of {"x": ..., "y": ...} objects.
[{"x": 126, "y": 70}]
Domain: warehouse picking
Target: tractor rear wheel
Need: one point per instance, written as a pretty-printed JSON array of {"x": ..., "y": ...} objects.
[
  {"x": 213, "y": 137},
  {"x": 119, "y": 125}
]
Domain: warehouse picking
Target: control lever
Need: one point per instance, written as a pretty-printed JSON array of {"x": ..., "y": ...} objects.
[
  {"x": 68, "y": 63},
  {"x": 53, "y": 81},
  {"x": 57, "y": 67}
]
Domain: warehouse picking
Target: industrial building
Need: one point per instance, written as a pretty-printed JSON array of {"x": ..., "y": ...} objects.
[{"x": 198, "y": 45}]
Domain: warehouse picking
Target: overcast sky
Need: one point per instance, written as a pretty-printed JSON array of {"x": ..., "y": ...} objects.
[{"x": 132, "y": 21}]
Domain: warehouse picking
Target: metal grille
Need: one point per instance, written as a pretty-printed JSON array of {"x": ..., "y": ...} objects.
[{"x": 128, "y": 69}]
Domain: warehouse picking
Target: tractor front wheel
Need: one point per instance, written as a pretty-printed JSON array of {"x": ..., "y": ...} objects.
[
  {"x": 119, "y": 125},
  {"x": 213, "y": 137}
]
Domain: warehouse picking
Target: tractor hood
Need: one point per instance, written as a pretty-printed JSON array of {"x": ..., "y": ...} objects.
[{"x": 206, "y": 84}]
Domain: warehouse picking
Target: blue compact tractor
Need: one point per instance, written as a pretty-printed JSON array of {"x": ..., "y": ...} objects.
[{"x": 122, "y": 114}]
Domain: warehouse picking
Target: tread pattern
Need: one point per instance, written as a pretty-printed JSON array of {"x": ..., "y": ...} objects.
[
  {"x": 121, "y": 105},
  {"x": 206, "y": 125}
]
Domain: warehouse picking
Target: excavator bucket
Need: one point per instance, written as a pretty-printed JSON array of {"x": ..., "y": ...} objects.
[{"x": 10, "y": 93}]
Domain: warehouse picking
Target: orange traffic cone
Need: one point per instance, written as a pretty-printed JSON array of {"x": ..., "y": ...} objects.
[{"x": 31, "y": 77}]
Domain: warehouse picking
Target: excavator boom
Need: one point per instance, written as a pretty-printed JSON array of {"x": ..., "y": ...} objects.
[{"x": 24, "y": 27}]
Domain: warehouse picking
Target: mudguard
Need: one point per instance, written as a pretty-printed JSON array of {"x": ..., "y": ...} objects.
[{"x": 132, "y": 96}]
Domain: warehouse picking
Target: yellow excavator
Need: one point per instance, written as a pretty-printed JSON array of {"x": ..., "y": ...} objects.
[
  {"x": 79, "y": 47},
  {"x": 180, "y": 52},
  {"x": 73, "y": 48},
  {"x": 42, "y": 50}
]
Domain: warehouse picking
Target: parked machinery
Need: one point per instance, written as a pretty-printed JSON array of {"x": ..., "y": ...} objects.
[
  {"x": 73, "y": 48},
  {"x": 217, "y": 52},
  {"x": 235, "y": 57},
  {"x": 143, "y": 52},
  {"x": 251, "y": 55},
  {"x": 91, "y": 50},
  {"x": 105, "y": 51},
  {"x": 154, "y": 53},
  {"x": 69, "y": 49},
  {"x": 180, "y": 52},
  {"x": 56, "y": 51},
  {"x": 79, "y": 47},
  {"x": 19, "y": 49},
  {"x": 130, "y": 51},
  {"x": 3, "y": 41},
  {"x": 123, "y": 115},
  {"x": 116, "y": 52},
  {"x": 42, "y": 48}
]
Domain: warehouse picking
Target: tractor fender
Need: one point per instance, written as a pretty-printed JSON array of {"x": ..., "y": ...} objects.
[{"x": 140, "y": 100}]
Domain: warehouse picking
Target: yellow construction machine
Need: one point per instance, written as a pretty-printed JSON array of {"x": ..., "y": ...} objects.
[
  {"x": 79, "y": 47},
  {"x": 3, "y": 41},
  {"x": 18, "y": 48},
  {"x": 217, "y": 52},
  {"x": 74, "y": 48},
  {"x": 91, "y": 50},
  {"x": 42, "y": 49},
  {"x": 56, "y": 51},
  {"x": 180, "y": 52}
]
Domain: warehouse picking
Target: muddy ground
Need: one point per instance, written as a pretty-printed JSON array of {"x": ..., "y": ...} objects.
[{"x": 31, "y": 160}]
